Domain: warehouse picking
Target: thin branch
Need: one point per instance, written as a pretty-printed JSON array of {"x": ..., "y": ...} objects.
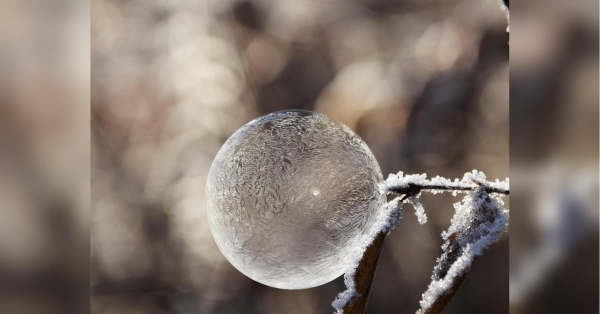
[
  {"x": 414, "y": 189},
  {"x": 440, "y": 303},
  {"x": 363, "y": 278},
  {"x": 478, "y": 222}
]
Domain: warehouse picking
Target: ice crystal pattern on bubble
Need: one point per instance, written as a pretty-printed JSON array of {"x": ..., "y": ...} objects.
[{"x": 290, "y": 196}]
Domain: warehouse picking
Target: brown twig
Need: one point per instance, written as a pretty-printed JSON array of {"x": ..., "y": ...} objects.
[
  {"x": 414, "y": 189},
  {"x": 365, "y": 272},
  {"x": 447, "y": 259},
  {"x": 440, "y": 303}
]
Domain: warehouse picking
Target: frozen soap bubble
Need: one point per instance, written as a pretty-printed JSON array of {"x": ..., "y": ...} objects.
[{"x": 290, "y": 196}]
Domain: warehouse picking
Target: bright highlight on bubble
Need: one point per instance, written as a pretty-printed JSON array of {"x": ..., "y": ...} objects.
[{"x": 290, "y": 196}]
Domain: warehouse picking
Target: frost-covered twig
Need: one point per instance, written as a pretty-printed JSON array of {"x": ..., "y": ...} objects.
[
  {"x": 358, "y": 281},
  {"x": 359, "y": 278},
  {"x": 415, "y": 183},
  {"x": 478, "y": 222}
]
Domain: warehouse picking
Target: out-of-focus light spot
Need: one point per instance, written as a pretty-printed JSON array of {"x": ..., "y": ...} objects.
[
  {"x": 295, "y": 20},
  {"x": 265, "y": 58},
  {"x": 357, "y": 88},
  {"x": 353, "y": 42},
  {"x": 495, "y": 98},
  {"x": 122, "y": 250},
  {"x": 526, "y": 53},
  {"x": 442, "y": 45}
]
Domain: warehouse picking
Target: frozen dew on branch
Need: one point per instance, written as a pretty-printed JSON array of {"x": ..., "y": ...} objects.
[
  {"x": 415, "y": 183},
  {"x": 478, "y": 222},
  {"x": 388, "y": 219},
  {"x": 394, "y": 215},
  {"x": 291, "y": 196},
  {"x": 419, "y": 210}
]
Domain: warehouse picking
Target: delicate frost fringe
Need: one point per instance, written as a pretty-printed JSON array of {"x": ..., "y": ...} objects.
[
  {"x": 478, "y": 222},
  {"x": 419, "y": 210},
  {"x": 437, "y": 288},
  {"x": 388, "y": 220},
  {"x": 470, "y": 179},
  {"x": 392, "y": 215}
]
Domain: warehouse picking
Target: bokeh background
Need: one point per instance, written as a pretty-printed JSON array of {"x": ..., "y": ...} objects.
[
  {"x": 44, "y": 156},
  {"x": 424, "y": 83},
  {"x": 554, "y": 157}
]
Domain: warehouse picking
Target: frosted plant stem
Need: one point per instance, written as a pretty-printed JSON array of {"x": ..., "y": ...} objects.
[
  {"x": 414, "y": 189},
  {"x": 363, "y": 278},
  {"x": 440, "y": 303},
  {"x": 478, "y": 222}
]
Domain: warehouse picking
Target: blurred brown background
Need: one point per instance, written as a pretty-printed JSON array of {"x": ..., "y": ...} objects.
[
  {"x": 424, "y": 83},
  {"x": 554, "y": 157},
  {"x": 44, "y": 156}
]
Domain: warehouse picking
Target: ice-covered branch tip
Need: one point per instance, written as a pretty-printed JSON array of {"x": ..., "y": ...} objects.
[
  {"x": 413, "y": 184},
  {"x": 478, "y": 222}
]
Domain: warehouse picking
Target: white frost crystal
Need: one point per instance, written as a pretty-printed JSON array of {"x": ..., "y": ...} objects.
[
  {"x": 479, "y": 221},
  {"x": 291, "y": 196}
]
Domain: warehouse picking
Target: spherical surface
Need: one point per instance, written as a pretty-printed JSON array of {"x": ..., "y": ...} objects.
[{"x": 290, "y": 195}]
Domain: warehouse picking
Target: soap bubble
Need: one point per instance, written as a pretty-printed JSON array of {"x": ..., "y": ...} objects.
[{"x": 290, "y": 196}]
